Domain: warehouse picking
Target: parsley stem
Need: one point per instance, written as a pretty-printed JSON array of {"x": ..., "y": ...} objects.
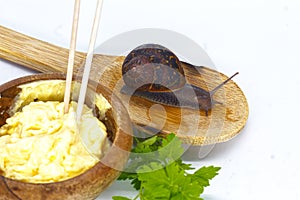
[{"x": 137, "y": 196}]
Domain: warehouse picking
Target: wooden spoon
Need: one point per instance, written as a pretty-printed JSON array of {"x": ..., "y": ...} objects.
[{"x": 194, "y": 127}]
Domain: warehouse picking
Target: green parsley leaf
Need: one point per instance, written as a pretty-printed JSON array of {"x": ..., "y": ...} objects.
[
  {"x": 146, "y": 146},
  {"x": 162, "y": 174},
  {"x": 172, "y": 181},
  {"x": 171, "y": 149},
  {"x": 131, "y": 176},
  {"x": 204, "y": 174}
]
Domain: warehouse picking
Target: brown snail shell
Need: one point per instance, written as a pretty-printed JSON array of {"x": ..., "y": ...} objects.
[
  {"x": 153, "y": 72},
  {"x": 154, "y": 67}
]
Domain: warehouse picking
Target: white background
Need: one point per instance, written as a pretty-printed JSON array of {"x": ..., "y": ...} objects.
[{"x": 258, "y": 38}]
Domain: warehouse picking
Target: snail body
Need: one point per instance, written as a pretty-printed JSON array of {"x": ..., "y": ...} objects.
[{"x": 153, "y": 72}]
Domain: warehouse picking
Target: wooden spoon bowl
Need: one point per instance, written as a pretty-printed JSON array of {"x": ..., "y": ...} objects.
[
  {"x": 89, "y": 184},
  {"x": 222, "y": 124}
]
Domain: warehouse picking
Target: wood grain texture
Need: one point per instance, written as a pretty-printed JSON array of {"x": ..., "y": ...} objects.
[{"x": 223, "y": 123}]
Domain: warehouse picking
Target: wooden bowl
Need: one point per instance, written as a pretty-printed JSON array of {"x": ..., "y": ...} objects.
[{"x": 89, "y": 184}]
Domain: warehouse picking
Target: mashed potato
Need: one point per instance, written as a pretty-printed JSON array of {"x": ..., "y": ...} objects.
[{"x": 42, "y": 144}]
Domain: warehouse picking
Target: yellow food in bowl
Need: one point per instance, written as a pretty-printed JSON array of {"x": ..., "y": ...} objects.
[{"x": 41, "y": 144}]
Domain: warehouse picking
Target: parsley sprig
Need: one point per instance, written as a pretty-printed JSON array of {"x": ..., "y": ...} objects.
[{"x": 162, "y": 174}]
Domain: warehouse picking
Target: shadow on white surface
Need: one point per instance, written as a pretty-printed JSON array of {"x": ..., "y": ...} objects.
[
  {"x": 213, "y": 152},
  {"x": 210, "y": 197},
  {"x": 123, "y": 188},
  {"x": 118, "y": 188},
  {"x": 225, "y": 148}
]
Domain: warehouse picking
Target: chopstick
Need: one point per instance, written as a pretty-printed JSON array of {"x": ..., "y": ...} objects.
[
  {"x": 89, "y": 59},
  {"x": 71, "y": 56}
]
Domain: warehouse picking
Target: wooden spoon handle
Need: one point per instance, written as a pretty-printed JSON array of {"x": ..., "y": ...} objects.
[{"x": 34, "y": 53}]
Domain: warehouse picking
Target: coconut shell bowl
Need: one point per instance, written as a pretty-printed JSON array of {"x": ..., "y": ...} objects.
[{"x": 90, "y": 183}]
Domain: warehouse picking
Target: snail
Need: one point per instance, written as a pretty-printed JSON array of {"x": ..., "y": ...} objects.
[{"x": 153, "y": 72}]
